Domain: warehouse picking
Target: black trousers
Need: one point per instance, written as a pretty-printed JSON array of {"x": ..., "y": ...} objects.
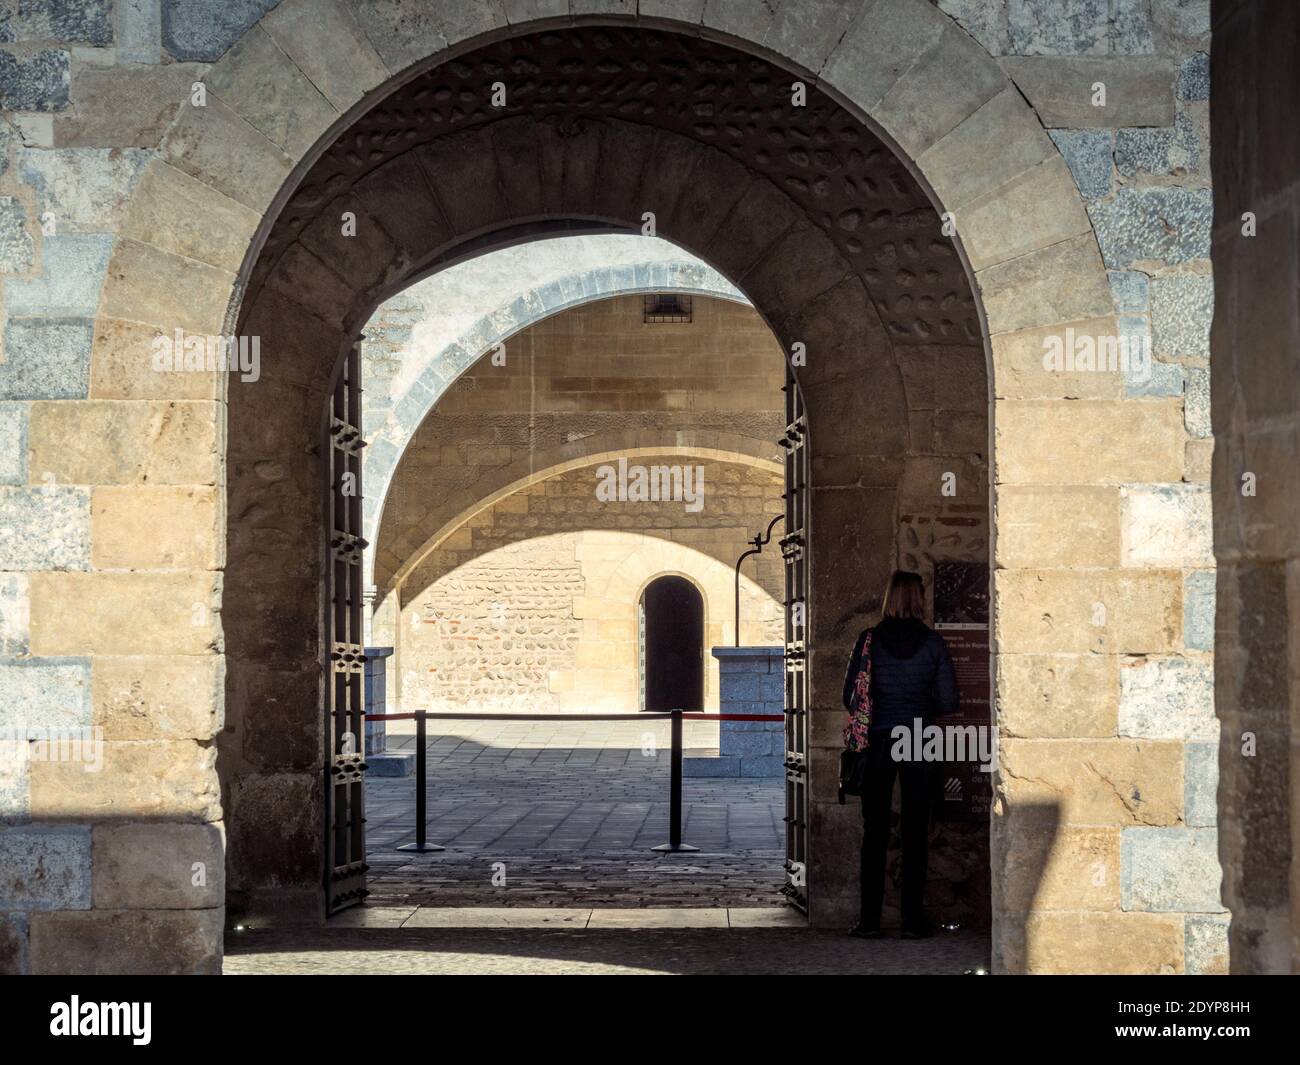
[{"x": 877, "y": 802}]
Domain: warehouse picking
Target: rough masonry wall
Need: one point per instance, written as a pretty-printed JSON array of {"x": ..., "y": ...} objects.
[
  {"x": 595, "y": 378},
  {"x": 531, "y": 605}
]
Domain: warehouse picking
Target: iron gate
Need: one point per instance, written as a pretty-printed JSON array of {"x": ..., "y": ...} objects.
[
  {"x": 344, "y": 702},
  {"x": 794, "y": 552}
]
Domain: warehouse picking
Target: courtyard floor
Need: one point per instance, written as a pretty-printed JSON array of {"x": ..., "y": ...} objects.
[{"x": 549, "y": 869}]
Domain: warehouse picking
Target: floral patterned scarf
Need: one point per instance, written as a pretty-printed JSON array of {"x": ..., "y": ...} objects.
[{"x": 855, "y": 732}]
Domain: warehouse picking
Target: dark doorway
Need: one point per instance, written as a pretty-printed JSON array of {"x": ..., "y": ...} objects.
[{"x": 672, "y": 656}]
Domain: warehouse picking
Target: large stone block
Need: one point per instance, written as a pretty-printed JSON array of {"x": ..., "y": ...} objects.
[
  {"x": 883, "y": 42},
  {"x": 125, "y": 522},
  {"x": 37, "y": 82},
  {"x": 1171, "y": 870},
  {"x": 269, "y": 92},
  {"x": 1166, "y": 525},
  {"x": 46, "y": 358},
  {"x": 1182, "y": 306},
  {"x": 1025, "y": 366},
  {"x": 180, "y": 214},
  {"x": 147, "y": 284},
  {"x": 1097, "y": 611},
  {"x": 1088, "y": 442},
  {"x": 215, "y": 145},
  {"x": 1043, "y": 866},
  {"x": 1139, "y": 89},
  {"x": 106, "y": 442},
  {"x": 1036, "y": 209},
  {"x": 203, "y": 32},
  {"x": 164, "y": 866},
  {"x": 45, "y": 694},
  {"x": 1062, "y": 283},
  {"x": 68, "y": 21},
  {"x": 157, "y": 697},
  {"x": 81, "y": 189},
  {"x": 1057, "y": 696},
  {"x": 125, "y": 613},
  {"x": 324, "y": 40},
  {"x": 151, "y": 780},
  {"x": 130, "y": 942},
  {"x": 1167, "y": 698},
  {"x": 1058, "y": 27},
  {"x": 405, "y": 31},
  {"x": 71, "y": 275},
  {"x": 1094, "y": 943},
  {"x": 45, "y": 528},
  {"x": 1022, "y": 145},
  {"x": 1032, "y": 521},
  {"x": 806, "y": 31},
  {"x": 122, "y": 365},
  {"x": 15, "y": 613},
  {"x": 1159, "y": 225},
  {"x": 124, "y": 106},
  {"x": 45, "y": 868},
  {"x": 947, "y": 84},
  {"x": 1095, "y": 782}
]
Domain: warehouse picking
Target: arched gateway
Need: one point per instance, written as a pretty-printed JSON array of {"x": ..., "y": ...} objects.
[{"x": 809, "y": 157}]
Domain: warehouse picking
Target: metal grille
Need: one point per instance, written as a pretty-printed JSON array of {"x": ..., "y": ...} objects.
[
  {"x": 794, "y": 552},
  {"x": 345, "y": 843},
  {"x": 667, "y": 307}
]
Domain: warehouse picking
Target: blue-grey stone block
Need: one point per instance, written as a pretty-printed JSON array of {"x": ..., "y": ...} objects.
[
  {"x": 81, "y": 189},
  {"x": 65, "y": 21},
  {"x": 1194, "y": 78},
  {"x": 45, "y": 528},
  {"x": 34, "y": 83},
  {"x": 15, "y": 613},
  {"x": 200, "y": 32},
  {"x": 1160, "y": 379},
  {"x": 1201, "y": 785},
  {"x": 1088, "y": 154},
  {"x": 770, "y": 766},
  {"x": 1129, "y": 290},
  {"x": 1196, "y": 408},
  {"x": 1205, "y": 944},
  {"x": 46, "y": 358},
  {"x": 1168, "y": 150},
  {"x": 1170, "y": 225},
  {"x": 1130, "y": 28},
  {"x": 1170, "y": 870},
  {"x": 391, "y": 764},
  {"x": 44, "y": 693},
  {"x": 16, "y": 246},
  {"x": 1198, "y": 610},
  {"x": 45, "y": 868},
  {"x": 743, "y": 742},
  {"x": 1182, "y": 308},
  {"x": 711, "y": 767},
  {"x": 71, "y": 276},
  {"x": 1041, "y": 27},
  {"x": 13, "y": 443}
]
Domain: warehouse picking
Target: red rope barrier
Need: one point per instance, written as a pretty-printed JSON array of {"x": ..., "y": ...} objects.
[{"x": 654, "y": 716}]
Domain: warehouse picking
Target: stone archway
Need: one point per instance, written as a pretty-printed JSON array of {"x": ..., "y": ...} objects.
[{"x": 1062, "y": 445}]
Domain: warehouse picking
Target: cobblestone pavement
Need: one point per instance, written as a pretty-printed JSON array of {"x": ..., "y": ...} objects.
[
  {"x": 541, "y": 951},
  {"x": 567, "y": 813}
]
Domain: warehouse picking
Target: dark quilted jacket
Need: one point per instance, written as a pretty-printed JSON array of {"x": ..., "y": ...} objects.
[{"x": 911, "y": 674}]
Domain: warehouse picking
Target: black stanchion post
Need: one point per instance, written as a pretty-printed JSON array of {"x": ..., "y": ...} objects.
[
  {"x": 675, "y": 793},
  {"x": 421, "y": 762}
]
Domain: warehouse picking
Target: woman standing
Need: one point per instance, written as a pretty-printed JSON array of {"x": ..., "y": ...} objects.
[{"x": 907, "y": 671}]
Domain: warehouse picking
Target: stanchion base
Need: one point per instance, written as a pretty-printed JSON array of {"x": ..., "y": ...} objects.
[
  {"x": 678, "y": 848},
  {"x": 422, "y": 848}
]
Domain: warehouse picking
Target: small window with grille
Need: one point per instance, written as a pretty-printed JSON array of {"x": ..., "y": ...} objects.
[{"x": 667, "y": 307}]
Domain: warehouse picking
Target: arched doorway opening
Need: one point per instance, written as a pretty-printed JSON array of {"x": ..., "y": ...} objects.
[
  {"x": 672, "y": 645},
  {"x": 807, "y": 211}
]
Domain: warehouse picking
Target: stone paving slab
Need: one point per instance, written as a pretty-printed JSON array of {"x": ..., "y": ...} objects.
[{"x": 560, "y": 951}]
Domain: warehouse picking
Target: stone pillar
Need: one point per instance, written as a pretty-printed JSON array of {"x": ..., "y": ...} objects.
[
  {"x": 379, "y": 761},
  {"x": 750, "y": 682}
]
